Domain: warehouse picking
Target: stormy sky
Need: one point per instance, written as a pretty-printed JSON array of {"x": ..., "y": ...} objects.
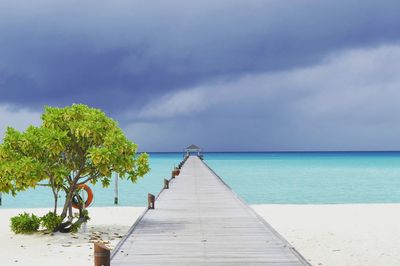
[{"x": 271, "y": 75}]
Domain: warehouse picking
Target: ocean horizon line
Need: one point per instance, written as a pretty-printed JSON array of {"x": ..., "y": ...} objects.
[{"x": 285, "y": 151}]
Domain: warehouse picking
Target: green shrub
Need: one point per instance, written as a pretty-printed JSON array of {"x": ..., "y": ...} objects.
[
  {"x": 85, "y": 217},
  {"x": 25, "y": 223},
  {"x": 85, "y": 214},
  {"x": 75, "y": 227},
  {"x": 50, "y": 221}
]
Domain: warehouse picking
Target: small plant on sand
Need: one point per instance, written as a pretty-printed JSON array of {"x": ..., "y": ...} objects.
[
  {"x": 84, "y": 216},
  {"x": 50, "y": 221},
  {"x": 25, "y": 223},
  {"x": 75, "y": 145}
]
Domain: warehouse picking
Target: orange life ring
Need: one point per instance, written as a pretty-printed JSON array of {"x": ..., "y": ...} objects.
[{"x": 75, "y": 202}]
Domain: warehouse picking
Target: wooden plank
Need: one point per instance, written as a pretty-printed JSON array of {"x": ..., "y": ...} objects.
[{"x": 199, "y": 220}]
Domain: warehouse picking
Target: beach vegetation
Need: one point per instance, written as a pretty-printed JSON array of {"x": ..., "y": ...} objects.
[
  {"x": 75, "y": 145},
  {"x": 25, "y": 223},
  {"x": 50, "y": 221}
]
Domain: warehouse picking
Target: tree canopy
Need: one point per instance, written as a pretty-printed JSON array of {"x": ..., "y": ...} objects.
[{"x": 74, "y": 145}]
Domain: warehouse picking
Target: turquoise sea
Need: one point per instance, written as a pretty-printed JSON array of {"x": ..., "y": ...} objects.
[{"x": 264, "y": 177}]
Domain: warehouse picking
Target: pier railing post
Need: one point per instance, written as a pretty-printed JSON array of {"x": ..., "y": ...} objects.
[
  {"x": 177, "y": 171},
  {"x": 101, "y": 255},
  {"x": 116, "y": 189},
  {"x": 166, "y": 183},
  {"x": 150, "y": 201}
]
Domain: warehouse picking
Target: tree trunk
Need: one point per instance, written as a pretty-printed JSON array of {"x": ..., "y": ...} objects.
[
  {"x": 55, "y": 194},
  {"x": 69, "y": 226},
  {"x": 70, "y": 214},
  {"x": 55, "y": 203},
  {"x": 70, "y": 192},
  {"x": 65, "y": 227},
  {"x": 68, "y": 200}
]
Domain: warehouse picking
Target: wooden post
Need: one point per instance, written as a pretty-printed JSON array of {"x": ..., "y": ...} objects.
[
  {"x": 84, "y": 224},
  {"x": 150, "y": 201},
  {"x": 116, "y": 189},
  {"x": 166, "y": 183},
  {"x": 101, "y": 255},
  {"x": 1, "y": 199}
]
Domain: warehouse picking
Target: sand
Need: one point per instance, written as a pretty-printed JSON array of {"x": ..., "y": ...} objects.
[
  {"x": 108, "y": 224},
  {"x": 364, "y": 234}
]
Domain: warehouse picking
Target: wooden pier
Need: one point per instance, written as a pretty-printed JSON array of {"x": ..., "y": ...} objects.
[{"x": 198, "y": 220}]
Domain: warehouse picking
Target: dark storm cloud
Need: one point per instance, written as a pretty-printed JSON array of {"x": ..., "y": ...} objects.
[
  {"x": 347, "y": 102},
  {"x": 119, "y": 54}
]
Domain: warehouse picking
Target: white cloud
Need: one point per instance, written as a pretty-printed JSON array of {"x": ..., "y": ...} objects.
[
  {"x": 342, "y": 81},
  {"x": 17, "y": 118},
  {"x": 172, "y": 105}
]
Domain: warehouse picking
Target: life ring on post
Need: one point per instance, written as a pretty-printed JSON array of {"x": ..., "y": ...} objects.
[{"x": 76, "y": 199}]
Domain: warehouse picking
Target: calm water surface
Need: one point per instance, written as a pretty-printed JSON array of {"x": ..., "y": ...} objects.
[{"x": 295, "y": 178}]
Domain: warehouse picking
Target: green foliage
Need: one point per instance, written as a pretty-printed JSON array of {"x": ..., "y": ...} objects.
[
  {"x": 75, "y": 227},
  {"x": 74, "y": 138},
  {"x": 74, "y": 145},
  {"x": 50, "y": 221},
  {"x": 89, "y": 133},
  {"x": 25, "y": 223},
  {"x": 84, "y": 215},
  {"x": 28, "y": 158}
]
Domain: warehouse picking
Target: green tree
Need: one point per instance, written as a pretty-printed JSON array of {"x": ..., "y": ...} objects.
[{"x": 74, "y": 145}]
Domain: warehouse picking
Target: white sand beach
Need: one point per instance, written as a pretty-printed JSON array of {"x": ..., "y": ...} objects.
[
  {"x": 343, "y": 234},
  {"x": 108, "y": 224},
  {"x": 364, "y": 234}
]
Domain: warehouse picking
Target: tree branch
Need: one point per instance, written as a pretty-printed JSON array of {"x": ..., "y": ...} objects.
[
  {"x": 43, "y": 185},
  {"x": 96, "y": 175}
]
